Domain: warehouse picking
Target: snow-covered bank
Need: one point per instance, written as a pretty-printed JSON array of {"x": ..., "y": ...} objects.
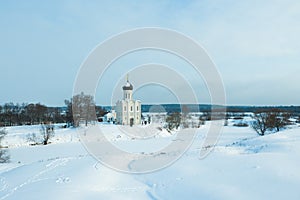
[{"x": 242, "y": 166}]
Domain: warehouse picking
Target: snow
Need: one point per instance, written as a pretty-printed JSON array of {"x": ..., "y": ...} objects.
[{"x": 241, "y": 166}]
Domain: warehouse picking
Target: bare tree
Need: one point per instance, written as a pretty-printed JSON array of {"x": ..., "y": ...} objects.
[
  {"x": 8, "y": 113},
  {"x": 33, "y": 139},
  {"x": 260, "y": 123},
  {"x": 36, "y": 113},
  {"x": 83, "y": 107},
  {"x": 278, "y": 119},
  {"x": 69, "y": 113},
  {"x": 47, "y": 132},
  {"x": 4, "y": 157},
  {"x": 202, "y": 120},
  {"x": 41, "y": 112},
  {"x": 173, "y": 120},
  {"x": 274, "y": 119},
  {"x": 226, "y": 122},
  {"x": 184, "y": 116}
]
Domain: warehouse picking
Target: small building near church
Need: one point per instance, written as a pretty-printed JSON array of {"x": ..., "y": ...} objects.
[
  {"x": 110, "y": 116},
  {"x": 128, "y": 110}
]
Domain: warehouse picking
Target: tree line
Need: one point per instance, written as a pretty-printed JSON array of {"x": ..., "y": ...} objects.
[
  {"x": 29, "y": 114},
  {"x": 79, "y": 108},
  {"x": 263, "y": 120}
]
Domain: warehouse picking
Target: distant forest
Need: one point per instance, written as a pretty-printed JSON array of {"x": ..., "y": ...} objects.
[
  {"x": 36, "y": 113},
  {"x": 207, "y": 108}
]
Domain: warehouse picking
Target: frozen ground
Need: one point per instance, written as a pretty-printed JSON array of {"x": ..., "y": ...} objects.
[{"x": 242, "y": 166}]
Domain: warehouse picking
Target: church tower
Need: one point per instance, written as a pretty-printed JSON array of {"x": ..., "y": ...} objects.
[
  {"x": 128, "y": 110},
  {"x": 127, "y": 90}
]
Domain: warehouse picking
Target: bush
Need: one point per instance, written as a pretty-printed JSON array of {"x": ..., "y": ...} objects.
[
  {"x": 241, "y": 124},
  {"x": 226, "y": 122},
  {"x": 173, "y": 120},
  {"x": 33, "y": 139},
  {"x": 4, "y": 157},
  {"x": 273, "y": 120},
  {"x": 260, "y": 123},
  {"x": 47, "y": 132},
  {"x": 238, "y": 118},
  {"x": 202, "y": 120}
]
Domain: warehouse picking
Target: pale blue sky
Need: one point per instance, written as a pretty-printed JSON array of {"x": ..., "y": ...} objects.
[{"x": 255, "y": 44}]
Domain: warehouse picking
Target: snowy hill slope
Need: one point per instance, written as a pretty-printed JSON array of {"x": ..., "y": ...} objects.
[{"x": 242, "y": 166}]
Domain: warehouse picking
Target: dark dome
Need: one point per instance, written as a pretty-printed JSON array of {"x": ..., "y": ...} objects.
[{"x": 128, "y": 86}]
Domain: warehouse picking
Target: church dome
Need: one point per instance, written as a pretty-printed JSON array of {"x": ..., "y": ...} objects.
[{"x": 128, "y": 86}]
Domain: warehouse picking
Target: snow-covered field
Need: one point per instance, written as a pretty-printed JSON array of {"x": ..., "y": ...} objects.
[{"x": 241, "y": 166}]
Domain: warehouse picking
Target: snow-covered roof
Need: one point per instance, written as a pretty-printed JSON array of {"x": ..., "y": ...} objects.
[{"x": 128, "y": 86}]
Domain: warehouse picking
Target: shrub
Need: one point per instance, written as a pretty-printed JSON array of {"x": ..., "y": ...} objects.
[
  {"x": 238, "y": 118},
  {"x": 47, "y": 132},
  {"x": 241, "y": 124},
  {"x": 33, "y": 139},
  {"x": 260, "y": 123},
  {"x": 4, "y": 157},
  {"x": 173, "y": 120},
  {"x": 270, "y": 120}
]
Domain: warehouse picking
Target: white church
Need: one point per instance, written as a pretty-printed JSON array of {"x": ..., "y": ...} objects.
[{"x": 128, "y": 111}]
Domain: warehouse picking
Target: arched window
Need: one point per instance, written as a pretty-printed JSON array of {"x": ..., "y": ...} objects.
[
  {"x": 130, "y": 108},
  {"x": 124, "y": 108},
  {"x": 137, "y": 108}
]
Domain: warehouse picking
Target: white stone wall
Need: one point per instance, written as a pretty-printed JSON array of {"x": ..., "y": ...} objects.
[{"x": 127, "y": 109}]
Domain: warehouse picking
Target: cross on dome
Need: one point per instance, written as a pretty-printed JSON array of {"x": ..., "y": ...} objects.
[{"x": 128, "y": 85}]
